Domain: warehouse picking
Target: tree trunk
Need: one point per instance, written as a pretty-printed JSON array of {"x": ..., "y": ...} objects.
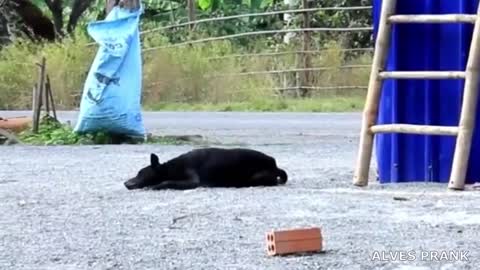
[
  {"x": 56, "y": 7},
  {"x": 4, "y": 33},
  {"x": 78, "y": 8},
  {"x": 23, "y": 18}
]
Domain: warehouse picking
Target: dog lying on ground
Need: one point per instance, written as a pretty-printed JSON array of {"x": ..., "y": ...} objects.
[{"x": 210, "y": 167}]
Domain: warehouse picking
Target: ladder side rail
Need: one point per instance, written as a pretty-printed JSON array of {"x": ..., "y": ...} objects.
[
  {"x": 382, "y": 44},
  {"x": 468, "y": 113}
]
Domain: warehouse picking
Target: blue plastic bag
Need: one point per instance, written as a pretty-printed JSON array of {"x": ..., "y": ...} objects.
[{"x": 111, "y": 98}]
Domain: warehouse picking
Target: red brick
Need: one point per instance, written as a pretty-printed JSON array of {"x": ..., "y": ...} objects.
[
  {"x": 294, "y": 241},
  {"x": 295, "y": 234},
  {"x": 291, "y": 247}
]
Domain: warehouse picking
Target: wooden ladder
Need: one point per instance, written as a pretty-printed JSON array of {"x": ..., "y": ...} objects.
[{"x": 466, "y": 126}]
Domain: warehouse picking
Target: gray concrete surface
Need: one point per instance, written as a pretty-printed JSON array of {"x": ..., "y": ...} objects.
[{"x": 66, "y": 207}]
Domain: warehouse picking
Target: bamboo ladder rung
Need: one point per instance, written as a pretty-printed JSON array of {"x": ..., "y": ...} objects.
[
  {"x": 441, "y": 18},
  {"x": 415, "y": 129},
  {"x": 438, "y": 75}
]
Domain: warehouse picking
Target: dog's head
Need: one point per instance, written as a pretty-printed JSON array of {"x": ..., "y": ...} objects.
[{"x": 147, "y": 176}]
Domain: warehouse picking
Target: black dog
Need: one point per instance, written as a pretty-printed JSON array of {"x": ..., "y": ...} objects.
[{"x": 210, "y": 167}]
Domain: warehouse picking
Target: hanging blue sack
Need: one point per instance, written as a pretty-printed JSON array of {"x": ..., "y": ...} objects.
[{"x": 112, "y": 92}]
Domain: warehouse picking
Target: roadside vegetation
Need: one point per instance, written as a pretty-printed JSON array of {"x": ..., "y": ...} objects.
[
  {"x": 52, "y": 132},
  {"x": 205, "y": 76}
]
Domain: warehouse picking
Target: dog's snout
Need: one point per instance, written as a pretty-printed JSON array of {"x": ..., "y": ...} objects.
[{"x": 129, "y": 185}]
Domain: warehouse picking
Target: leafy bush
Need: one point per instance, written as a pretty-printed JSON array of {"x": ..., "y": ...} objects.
[
  {"x": 192, "y": 75},
  {"x": 175, "y": 12},
  {"x": 52, "y": 132},
  {"x": 202, "y": 73},
  {"x": 67, "y": 65}
]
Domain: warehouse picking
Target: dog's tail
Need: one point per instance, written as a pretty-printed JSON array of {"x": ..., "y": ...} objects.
[{"x": 283, "y": 176}]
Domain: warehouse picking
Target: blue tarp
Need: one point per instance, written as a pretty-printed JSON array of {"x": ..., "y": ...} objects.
[
  {"x": 406, "y": 157},
  {"x": 112, "y": 91}
]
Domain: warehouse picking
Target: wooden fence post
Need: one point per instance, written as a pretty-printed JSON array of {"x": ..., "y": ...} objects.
[
  {"x": 39, "y": 95},
  {"x": 304, "y": 60},
  {"x": 48, "y": 89},
  {"x": 307, "y": 40},
  {"x": 34, "y": 99},
  {"x": 191, "y": 13}
]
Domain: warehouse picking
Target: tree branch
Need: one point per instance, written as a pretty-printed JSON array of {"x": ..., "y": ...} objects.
[
  {"x": 78, "y": 8},
  {"x": 30, "y": 20},
  {"x": 56, "y": 7}
]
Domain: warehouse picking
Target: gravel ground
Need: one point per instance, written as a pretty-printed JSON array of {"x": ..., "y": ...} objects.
[{"x": 67, "y": 208}]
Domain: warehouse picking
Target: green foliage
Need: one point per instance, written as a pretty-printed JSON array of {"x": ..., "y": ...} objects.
[
  {"x": 52, "y": 132},
  {"x": 165, "y": 12},
  {"x": 176, "y": 12},
  {"x": 215, "y": 8},
  {"x": 39, "y": 3},
  {"x": 206, "y": 4},
  {"x": 194, "y": 76},
  {"x": 95, "y": 12},
  {"x": 67, "y": 65},
  {"x": 341, "y": 19},
  {"x": 353, "y": 103},
  {"x": 184, "y": 75},
  {"x": 16, "y": 69}
]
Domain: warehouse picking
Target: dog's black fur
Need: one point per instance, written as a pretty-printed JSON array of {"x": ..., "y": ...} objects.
[{"x": 210, "y": 167}]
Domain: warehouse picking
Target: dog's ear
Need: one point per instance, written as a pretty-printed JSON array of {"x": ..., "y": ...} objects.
[{"x": 154, "y": 160}]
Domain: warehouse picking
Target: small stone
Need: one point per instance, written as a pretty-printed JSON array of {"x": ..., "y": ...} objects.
[{"x": 439, "y": 204}]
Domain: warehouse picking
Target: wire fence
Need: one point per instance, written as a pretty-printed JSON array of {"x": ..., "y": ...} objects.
[
  {"x": 197, "y": 71},
  {"x": 185, "y": 64},
  {"x": 261, "y": 14}
]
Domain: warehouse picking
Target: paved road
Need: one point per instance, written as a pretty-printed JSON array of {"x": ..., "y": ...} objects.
[
  {"x": 240, "y": 128},
  {"x": 65, "y": 207}
]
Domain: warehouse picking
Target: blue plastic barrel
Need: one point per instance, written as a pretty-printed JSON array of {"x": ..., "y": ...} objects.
[{"x": 416, "y": 47}]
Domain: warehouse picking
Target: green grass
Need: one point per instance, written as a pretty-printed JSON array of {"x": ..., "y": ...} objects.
[
  {"x": 187, "y": 78},
  {"x": 327, "y": 104}
]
